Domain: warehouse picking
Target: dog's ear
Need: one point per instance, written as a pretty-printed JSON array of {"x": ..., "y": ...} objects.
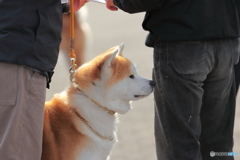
[
  {"x": 121, "y": 47},
  {"x": 116, "y": 51},
  {"x": 109, "y": 61}
]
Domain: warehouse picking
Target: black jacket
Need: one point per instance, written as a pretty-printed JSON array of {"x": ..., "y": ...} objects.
[
  {"x": 185, "y": 20},
  {"x": 30, "y": 33},
  {"x": 237, "y": 2}
]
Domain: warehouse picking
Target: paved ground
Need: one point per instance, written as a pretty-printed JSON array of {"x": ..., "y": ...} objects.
[{"x": 136, "y": 140}]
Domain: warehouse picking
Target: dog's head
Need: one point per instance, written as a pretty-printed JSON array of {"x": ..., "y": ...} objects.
[{"x": 112, "y": 80}]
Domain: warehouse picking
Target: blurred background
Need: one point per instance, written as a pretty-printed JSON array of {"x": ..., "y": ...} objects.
[{"x": 108, "y": 29}]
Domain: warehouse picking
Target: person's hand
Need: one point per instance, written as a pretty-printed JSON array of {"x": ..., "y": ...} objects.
[
  {"x": 110, "y": 5},
  {"x": 78, "y": 4}
]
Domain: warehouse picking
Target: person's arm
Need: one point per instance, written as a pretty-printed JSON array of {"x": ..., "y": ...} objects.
[{"x": 135, "y": 6}]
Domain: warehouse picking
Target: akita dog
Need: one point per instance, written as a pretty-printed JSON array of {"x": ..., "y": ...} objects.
[{"x": 80, "y": 122}]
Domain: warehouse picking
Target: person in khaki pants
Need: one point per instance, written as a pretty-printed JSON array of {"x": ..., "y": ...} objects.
[
  {"x": 22, "y": 95},
  {"x": 30, "y": 34}
]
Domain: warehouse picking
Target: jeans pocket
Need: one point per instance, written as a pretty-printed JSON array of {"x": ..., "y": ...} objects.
[
  {"x": 186, "y": 57},
  {"x": 8, "y": 84}
]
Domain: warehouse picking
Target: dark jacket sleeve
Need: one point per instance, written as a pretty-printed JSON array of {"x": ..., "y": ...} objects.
[{"x": 135, "y": 6}]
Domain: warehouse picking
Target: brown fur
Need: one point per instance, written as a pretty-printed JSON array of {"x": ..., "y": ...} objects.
[
  {"x": 88, "y": 74},
  {"x": 121, "y": 68},
  {"x": 59, "y": 133}
]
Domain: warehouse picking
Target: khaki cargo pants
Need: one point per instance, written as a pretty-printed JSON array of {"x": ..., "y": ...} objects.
[{"x": 22, "y": 96}]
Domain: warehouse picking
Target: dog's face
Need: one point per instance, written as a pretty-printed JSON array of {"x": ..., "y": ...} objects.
[
  {"x": 112, "y": 80},
  {"x": 132, "y": 86}
]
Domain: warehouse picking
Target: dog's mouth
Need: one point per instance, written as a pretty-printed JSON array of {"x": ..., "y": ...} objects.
[{"x": 139, "y": 96}]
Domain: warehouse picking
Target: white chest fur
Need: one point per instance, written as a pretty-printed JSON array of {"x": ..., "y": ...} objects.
[
  {"x": 97, "y": 150},
  {"x": 100, "y": 121}
]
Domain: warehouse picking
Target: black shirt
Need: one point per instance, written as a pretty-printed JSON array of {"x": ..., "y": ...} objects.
[
  {"x": 185, "y": 20},
  {"x": 30, "y": 33}
]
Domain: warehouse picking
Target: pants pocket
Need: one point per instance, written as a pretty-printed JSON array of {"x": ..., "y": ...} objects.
[
  {"x": 8, "y": 84},
  {"x": 186, "y": 57}
]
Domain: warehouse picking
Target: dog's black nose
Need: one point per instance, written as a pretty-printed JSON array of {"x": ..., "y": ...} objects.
[{"x": 152, "y": 83}]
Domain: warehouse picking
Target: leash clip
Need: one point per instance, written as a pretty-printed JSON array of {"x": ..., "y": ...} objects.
[{"x": 73, "y": 80}]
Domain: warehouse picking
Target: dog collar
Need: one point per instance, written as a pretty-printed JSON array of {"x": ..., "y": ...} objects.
[
  {"x": 99, "y": 105},
  {"x": 73, "y": 80},
  {"x": 104, "y": 108},
  {"x": 89, "y": 126}
]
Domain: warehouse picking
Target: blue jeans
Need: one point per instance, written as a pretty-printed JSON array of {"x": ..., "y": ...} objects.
[{"x": 194, "y": 98}]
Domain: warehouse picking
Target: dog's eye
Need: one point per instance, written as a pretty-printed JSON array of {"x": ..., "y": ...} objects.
[{"x": 131, "y": 76}]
